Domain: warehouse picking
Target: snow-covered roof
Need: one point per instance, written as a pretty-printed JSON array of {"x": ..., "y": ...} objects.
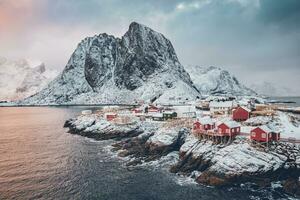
[
  {"x": 206, "y": 120},
  {"x": 245, "y": 108},
  {"x": 110, "y": 113},
  {"x": 227, "y": 104},
  {"x": 266, "y": 129},
  {"x": 157, "y": 115},
  {"x": 232, "y": 124}
]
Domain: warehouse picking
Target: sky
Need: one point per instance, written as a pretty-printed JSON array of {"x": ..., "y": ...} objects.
[{"x": 256, "y": 40}]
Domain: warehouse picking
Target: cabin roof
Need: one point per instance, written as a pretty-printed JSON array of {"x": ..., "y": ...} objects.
[
  {"x": 266, "y": 129},
  {"x": 227, "y": 104},
  {"x": 245, "y": 108},
  {"x": 206, "y": 120},
  {"x": 231, "y": 124},
  {"x": 157, "y": 115},
  {"x": 110, "y": 113}
]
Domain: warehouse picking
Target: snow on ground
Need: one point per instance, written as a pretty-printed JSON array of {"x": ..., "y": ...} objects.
[
  {"x": 181, "y": 110},
  {"x": 257, "y": 121},
  {"x": 285, "y": 126},
  {"x": 246, "y": 129}
]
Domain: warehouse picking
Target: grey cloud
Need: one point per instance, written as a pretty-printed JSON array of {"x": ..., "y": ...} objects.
[{"x": 257, "y": 37}]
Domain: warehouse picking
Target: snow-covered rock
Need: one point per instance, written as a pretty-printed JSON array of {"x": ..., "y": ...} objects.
[
  {"x": 95, "y": 126},
  {"x": 164, "y": 137},
  {"x": 217, "y": 81},
  {"x": 226, "y": 164},
  {"x": 209, "y": 163},
  {"x": 240, "y": 158},
  {"x": 22, "y": 78},
  {"x": 142, "y": 65}
]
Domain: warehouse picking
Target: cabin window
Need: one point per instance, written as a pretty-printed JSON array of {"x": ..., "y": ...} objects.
[
  {"x": 227, "y": 130},
  {"x": 263, "y": 135},
  {"x": 253, "y": 134}
]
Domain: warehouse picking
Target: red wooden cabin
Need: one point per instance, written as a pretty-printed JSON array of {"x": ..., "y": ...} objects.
[
  {"x": 264, "y": 134},
  {"x": 137, "y": 110},
  {"x": 204, "y": 124},
  {"x": 229, "y": 128},
  {"x": 241, "y": 114},
  {"x": 153, "y": 109},
  {"x": 110, "y": 116}
]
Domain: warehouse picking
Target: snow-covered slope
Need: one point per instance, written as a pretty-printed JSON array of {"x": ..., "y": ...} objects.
[
  {"x": 216, "y": 81},
  {"x": 269, "y": 89},
  {"x": 20, "y": 79},
  {"x": 142, "y": 65}
]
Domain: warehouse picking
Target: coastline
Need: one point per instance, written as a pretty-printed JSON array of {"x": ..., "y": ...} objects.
[{"x": 146, "y": 141}]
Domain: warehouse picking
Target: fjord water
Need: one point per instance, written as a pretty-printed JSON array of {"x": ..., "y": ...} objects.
[{"x": 40, "y": 160}]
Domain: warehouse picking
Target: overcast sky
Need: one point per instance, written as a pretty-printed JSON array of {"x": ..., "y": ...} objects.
[{"x": 256, "y": 40}]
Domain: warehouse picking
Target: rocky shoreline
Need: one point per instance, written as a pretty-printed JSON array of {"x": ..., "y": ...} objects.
[{"x": 209, "y": 163}]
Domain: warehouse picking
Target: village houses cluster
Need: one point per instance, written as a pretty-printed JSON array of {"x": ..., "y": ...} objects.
[{"x": 220, "y": 119}]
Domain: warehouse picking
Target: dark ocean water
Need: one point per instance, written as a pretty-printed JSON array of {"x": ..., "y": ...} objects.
[
  {"x": 296, "y": 101},
  {"x": 39, "y": 160}
]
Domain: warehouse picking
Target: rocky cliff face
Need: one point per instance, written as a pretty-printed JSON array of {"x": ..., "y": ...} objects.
[
  {"x": 216, "y": 81},
  {"x": 20, "y": 79},
  {"x": 142, "y": 65}
]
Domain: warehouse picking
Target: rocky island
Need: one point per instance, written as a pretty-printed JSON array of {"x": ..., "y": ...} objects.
[{"x": 207, "y": 162}]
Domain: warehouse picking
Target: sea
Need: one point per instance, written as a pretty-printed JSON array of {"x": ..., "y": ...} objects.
[
  {"x": 295, "y": 100},
  {"x": 39, "y": 159}
]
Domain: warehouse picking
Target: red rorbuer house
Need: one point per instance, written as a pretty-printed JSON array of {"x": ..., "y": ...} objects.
[
  {"x": 203, "y": 124},
  {"x": 229, "y": 128},
  {"x": 137, "y": 110},
  {"x": 153, "y": 109},
  {"x": 241, "y": 114},
  {"x": 110, "y": 116},
  {"x": 264, "y": 134}
]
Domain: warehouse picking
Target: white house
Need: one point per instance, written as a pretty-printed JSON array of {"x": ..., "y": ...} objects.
[{"x": 220, "y": 107}]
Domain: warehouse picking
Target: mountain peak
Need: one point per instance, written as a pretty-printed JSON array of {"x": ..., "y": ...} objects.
[
  {"x": 136, "y": 25},
  {"x": 141, "y": 65}
]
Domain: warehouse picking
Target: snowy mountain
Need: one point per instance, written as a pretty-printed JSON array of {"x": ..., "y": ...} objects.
[
  {"x": 216, "y": 81},
  {"x": 20, "y": 79},
  {"x": 142, "y": 65},
  {"x": 269, "y": 89}
]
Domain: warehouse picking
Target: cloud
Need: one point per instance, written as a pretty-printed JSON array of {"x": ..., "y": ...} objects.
[
  {"x": 257, "y": 37},
  {"x": 194, "y": 5},
  {"x": 285, "y": 15}
]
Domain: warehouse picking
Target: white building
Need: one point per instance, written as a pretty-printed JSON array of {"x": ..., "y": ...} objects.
[{"x": 220, "y": 107}]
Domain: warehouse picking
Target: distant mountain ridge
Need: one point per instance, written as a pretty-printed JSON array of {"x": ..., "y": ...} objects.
[
  {"x": 270, "y": 89},
  {"x": 216, "y": 81},
  {"x": 142, "y": 65},
  {"x": 21, "y": 78}
]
